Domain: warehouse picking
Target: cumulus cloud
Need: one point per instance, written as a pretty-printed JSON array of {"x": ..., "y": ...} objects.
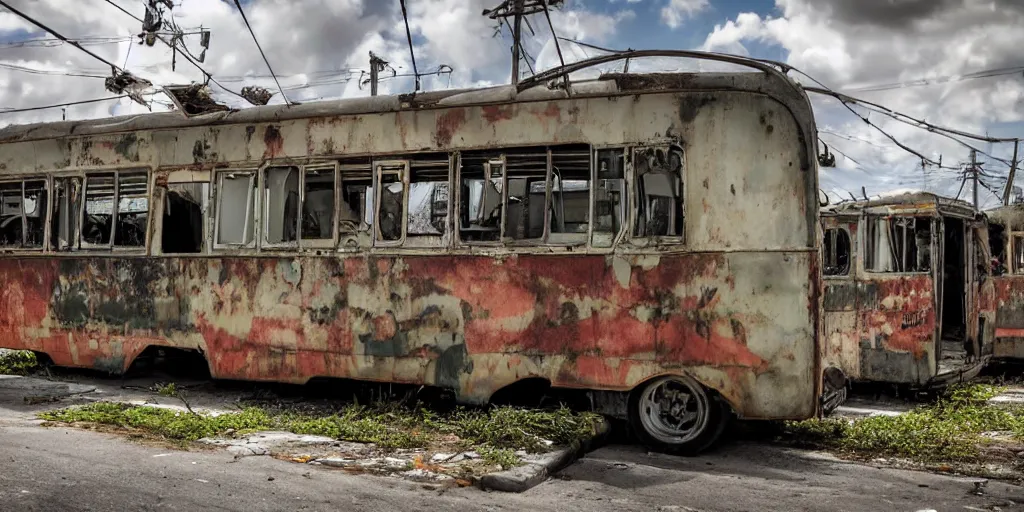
[
  {"x": 678, "y": 11},
  {"x": 849, "y": 46}
]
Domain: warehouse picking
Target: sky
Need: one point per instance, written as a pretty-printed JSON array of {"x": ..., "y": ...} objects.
[{"x": 319, "y": 49}]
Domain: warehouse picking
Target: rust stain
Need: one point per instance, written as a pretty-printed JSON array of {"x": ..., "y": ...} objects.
[
  {"x": 273, "y": 142},
  {"x": 447, "y": 124},
  {"x": 495, "y": 113}
]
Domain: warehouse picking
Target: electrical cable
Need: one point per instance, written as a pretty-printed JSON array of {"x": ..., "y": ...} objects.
[
  {"x": 260, "y": 48},
  {"x": 408, "y": 35},
  {"x": 68, "y": 104},
  {"x": 59, "y": 36}
]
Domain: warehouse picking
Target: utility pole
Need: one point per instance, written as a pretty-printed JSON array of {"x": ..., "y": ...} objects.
[
  {"x": 516, "y": 34},
  {"x": 1013, "y": 171},
  {"x": 376, "y": 66},
  {"x": 974, "y": 176}
]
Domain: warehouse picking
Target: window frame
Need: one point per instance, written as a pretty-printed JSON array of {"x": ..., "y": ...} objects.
[
  {"x": 430, "y": 240},
  {"x": 218, "y": 180},
  {"x": 865, "y": 244},
  {"x": 261, "y": 220},
  {"x": 75, "y": 237},
  {"x": 847, "y": 272},
  {"x": 1017, "y": 240},
  {"x": 380, "y": 168},
  {"x": 633, "y": 178},
  {"x": 549, "y": 199},
  {"x": 188, "y": 177},
  {"x": 320, "y": 243},
  {"x": 625, "y": 221},
  {"x": 44, "y": 246},
  {"x": 110, "y": 246}
]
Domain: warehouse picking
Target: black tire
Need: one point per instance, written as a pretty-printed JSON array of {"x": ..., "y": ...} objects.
[{"x": 706, "y": 430}]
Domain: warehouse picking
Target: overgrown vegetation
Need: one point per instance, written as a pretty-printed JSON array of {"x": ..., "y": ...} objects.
[
  {"x": 18, "y": 362},
  {"x": 495, "y": 433},
  {"x": 957, "y": 428}
]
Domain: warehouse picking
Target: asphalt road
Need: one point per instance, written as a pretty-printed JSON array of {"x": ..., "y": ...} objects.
[{"x": 68, "y": 469}]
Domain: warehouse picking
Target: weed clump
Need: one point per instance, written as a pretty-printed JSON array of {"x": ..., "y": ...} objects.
[
  {"x": 495, "y": 433},
  {"x": 18, "y": 362},
  {"x": 950, "y": 430}
]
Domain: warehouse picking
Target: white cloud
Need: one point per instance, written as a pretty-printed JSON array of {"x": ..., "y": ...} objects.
[
  {"x": 678, "y": 11},
  {"x": 881, "y": 42}
]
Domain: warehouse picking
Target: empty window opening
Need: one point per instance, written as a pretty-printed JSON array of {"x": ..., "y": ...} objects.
[
  {"x": 609, "y": 198},
  {"x": 570, "y": 194},
  {"x": 390, "y": 199},
  {"x": 132, "y": 209},
  {"x": 318, "y": 189},
  {"x": 526, "y": 179},
  {"x": 482, "y": 178},
  {"x": 659, "y": 184},
  {"x": 281, "y": 204},
  {"x": 22, "y": 214},
  {"x": 97, "y": 223},
  {"x": 836, "y": 252},
  {"x": 236, "y": 207},
  {"x": 1018, "y": 253},
  {"x": 428, "y": 196},
  {"x": 68, "y": 192},
  {"x": 898, "y": 244},
  {"x": 997, "y": 246},
  {"x": 356, "y": 197},
  {"x": 954, "y": 271},
  {"x": 185, "y": 211}
]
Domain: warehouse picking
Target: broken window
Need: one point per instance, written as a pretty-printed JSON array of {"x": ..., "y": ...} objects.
[
  {"x": 116, "y": 209},
  {"x": 356, "y": 194},
  {"x": 836, "y": 252},
  {"x": 236, "y": 208},
  {"x": 609, "y": 199},
  {"x": 98, "y": 221},
  {"x": 185, "y": 210},
  {"x": 428, "y": 196},
  {"x": 480, "y": 198},
  {"x": 318, "y": 203},
  {"x": 390, "y": 196},
  {"x": 898, "y": 244},
  {"x": 66, "y": 212},
  {"x": 526, "y": 180},
  {"x": 1018, "y": 253},
  {"x": 280, "y": 205},
  {"x": 22, "y": 214},
  {"x": 570, "y": 194},
  {"x": 132, "y": 209},
  {"x": 659, "y": 184}
]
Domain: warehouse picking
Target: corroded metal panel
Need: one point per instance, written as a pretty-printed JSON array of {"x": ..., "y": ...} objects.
[
  {"x": 896, "y": 328},
  {"x": 1009, "y": 318},
  {"x": 474, "y": 324}
]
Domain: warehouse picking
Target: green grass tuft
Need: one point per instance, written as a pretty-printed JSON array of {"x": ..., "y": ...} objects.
[
  {"x": 18, "y": 362},
  {"x": 949, "y": 430}
]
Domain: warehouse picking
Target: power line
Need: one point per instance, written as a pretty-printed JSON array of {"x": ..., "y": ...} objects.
[
  {"x": 34, "y": 71},
  {"x": 56, "y": 34},
  {"x": 987, "y": 73},
  {"x": 260, "y": 48},
  {"x": 68, "y": 104},
  {"x": 187, "y": 57},
  {"x": 412, "y": 53}
]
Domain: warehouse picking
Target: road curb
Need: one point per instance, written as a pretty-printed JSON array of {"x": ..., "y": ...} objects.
[{"x": 525, "y": 477}]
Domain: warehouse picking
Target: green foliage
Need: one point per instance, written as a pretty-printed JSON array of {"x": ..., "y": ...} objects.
[
  {"x": 949, "y": 430},
  {"x": 18, "y": 362},
  {"x": 496, "y": 432}
]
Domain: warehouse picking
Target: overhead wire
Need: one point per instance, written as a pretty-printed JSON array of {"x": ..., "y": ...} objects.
[
  {"x": 67, "y": 104},
  {"x": 260, "y": 48},
  {"x": 206, "y": 74},
  {"x": 58, "y": 35},
  {"x": 408, "y": 35},
  {"x": 987, "y": 73}
]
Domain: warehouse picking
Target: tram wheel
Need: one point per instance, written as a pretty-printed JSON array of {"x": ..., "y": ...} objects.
[{"x": 675, "y": 414}]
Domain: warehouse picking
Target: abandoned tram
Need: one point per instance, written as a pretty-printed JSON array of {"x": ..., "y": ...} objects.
[
  {"x": 908, "y": 296},
  {"x": 651, "y": 239}
]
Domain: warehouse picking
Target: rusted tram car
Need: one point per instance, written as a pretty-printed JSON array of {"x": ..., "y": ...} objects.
[
  {"x": 1006, "y": 237},
  {"x": 649, "y": 238},
  {"x": 908, "y": 297}
]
